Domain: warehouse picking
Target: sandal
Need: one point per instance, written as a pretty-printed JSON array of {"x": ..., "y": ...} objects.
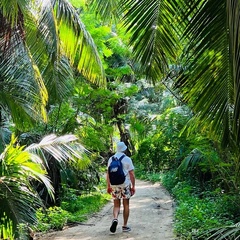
[
  {"x": 126, "y": 229},
  {"x": 114, "y": 226}
]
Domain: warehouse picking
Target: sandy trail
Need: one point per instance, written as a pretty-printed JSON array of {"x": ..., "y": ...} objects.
[{"x": 151, "y": 217}]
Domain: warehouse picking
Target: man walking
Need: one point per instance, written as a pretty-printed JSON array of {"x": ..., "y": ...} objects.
[{"x": 122, "y": 191}]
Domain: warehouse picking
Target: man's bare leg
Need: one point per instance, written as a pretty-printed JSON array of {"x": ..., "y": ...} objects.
[
  {"x": 125, "y": 211},
  {"x": 116, "y": 208}
]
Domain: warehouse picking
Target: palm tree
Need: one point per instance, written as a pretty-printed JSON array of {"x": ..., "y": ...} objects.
[
  {"x": 40, "y": 43},
  {"x": 21, "y": 166}
]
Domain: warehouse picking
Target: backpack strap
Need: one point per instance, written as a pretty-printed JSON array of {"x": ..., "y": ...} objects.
[
  {"x": 116, "y": 159},
  {"x": 121, "y": 158}
]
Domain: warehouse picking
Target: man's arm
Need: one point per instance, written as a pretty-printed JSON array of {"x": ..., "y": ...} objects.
[
  {"x": 132, "y": 178},
  {"x": 109, "y": 189}
]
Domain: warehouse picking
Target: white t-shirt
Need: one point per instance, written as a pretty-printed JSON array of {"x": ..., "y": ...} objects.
[{"x": 127, "y": 166}]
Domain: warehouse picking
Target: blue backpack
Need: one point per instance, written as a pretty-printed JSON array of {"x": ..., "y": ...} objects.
[{"x": 115, "y": 171}]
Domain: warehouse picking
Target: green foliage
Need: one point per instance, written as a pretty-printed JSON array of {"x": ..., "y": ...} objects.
[
  {"x": 230, "y": 232},
  {"x": 74, "y": 208},
  {"x": 22, "y": 168},
  {"x": 164, "y": 148},
  {"x": 155, "y": 119},
  {"x": 6, "y": 228},
  {"x": 198, "y": 214},
  {"x": 51, "y": 218},
  {"x": 195, "y": 215},
  {"x": 84, "y": 206},
  {"x": 196, "y": 210},
  {"x": 200, "y": 166},
  {"x": 111, "y": 42},
  {"x": 61, "y": 119},
  {"x": 207, "y": 163},
  {"x": 140, "y": 173},
  {"x": 82, "y": 180},
  {"x": 17, "y": 164},
  {"x": 169, "y": 180},
  {"x": 95, "y": 115}
]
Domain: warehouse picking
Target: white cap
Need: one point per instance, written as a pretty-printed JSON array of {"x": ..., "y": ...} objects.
[{"x": 121, "y": 147}]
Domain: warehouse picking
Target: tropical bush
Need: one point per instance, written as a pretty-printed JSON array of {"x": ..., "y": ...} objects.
[
  {"x": 6, "y": 228},
  {"x": 76, "y": 207},
  {"x": 164, "y": 148},
  {"x": 23, "y": 168},
  {"x": 52, "y": 218},
  {"x": 196, "y": 213}
]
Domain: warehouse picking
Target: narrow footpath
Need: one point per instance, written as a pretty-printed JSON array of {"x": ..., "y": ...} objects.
[{"x": 151, "y": 217}]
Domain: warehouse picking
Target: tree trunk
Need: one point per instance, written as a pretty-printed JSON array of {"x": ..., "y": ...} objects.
[{"x": 120, "y": 108}]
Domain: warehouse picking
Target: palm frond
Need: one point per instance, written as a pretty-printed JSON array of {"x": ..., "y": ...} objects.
[
  {"x": 19, "y": 165},
  {"x": 58, "y": 40},
  {"x": 18, "y": 201},
  {"x": 23, "y": 92},
  {"x": 77, "y": 43},
  {"x": 11, "y": 10},
  {"x": 43, "y": 42},
  {"x": 59, "y": 80},
  {"x": 107, "y": 9},
  {"x": 18, "y": 198},
  {"x": 192, "y": 160},
  {"x": 61, "y": 148},
  {"x": 231, "y": 232},
  {"x": 210, "y": 79},
  {"x": 153, "y": 38}
]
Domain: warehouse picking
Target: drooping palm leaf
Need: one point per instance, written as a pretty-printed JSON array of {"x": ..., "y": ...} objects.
[
  {"x": 19, "y": 166},
  {"x": 210, "y": 80},
  {"x": 44, "y": 44},
  {"x": 191, "y": 161},
  {"x": 107, "y": 9},
  {"x": 18, "y": 199},
  {"x": 58, "y": 154},
  {"x": 224, "y": 232},
  {"x": 22, "y": 91},
  {"x": 31, "y": 30},
  {"x": 61, "y": 148},
  {"x": 59, "y": 41},
  {"x": 79, "y": 47},
  {"x": 153, "y": 38}
]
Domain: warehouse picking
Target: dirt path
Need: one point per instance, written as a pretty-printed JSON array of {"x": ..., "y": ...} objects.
[{"x": 151, "y": 216}]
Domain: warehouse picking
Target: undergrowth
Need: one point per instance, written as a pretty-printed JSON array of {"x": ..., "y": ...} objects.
[
  {"x": 196, "y": 212},
  {"x": 74, "y": 208}
]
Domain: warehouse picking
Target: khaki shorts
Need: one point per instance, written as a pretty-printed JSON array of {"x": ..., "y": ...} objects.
[{"x": 121, "y": 192}]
